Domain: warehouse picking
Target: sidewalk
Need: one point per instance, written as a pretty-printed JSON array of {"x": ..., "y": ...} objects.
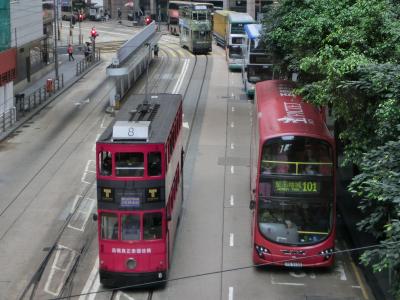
[
  {"x": 67, "y": 72},
  {"x": 350, "y": 216}
]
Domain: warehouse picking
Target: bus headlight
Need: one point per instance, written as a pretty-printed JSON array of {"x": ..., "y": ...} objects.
[
  {"x": 131, "y": 263},
  {"x": 261, "y": 251},
  {"x": 327, "y": 253}
]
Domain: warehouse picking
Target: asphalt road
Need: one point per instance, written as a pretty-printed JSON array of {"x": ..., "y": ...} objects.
[{"x": 47, "y": 184}]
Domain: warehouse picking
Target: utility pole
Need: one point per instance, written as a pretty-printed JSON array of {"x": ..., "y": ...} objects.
[
  {"x": 146, "y": 97},
  {"x": 55, "y": 38}
]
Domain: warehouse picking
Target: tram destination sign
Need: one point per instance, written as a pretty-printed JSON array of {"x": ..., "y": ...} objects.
[{"x": 296, "y": 186}]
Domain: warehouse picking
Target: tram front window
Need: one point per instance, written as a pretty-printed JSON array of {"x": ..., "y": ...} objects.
[
  {"x": 109, "y": 226},
  {"x": 154, "y": 164},
  {"x": 294, "y": 222},
  {"x": 152, "y": 226},
  {"x": 130, "y": 227},
  {"x": 129, "y": 164}
]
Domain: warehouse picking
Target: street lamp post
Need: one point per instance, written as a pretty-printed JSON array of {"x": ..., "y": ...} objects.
[
  {"x": 146, "y": 97},
  {"x": 55, "y": 38}
]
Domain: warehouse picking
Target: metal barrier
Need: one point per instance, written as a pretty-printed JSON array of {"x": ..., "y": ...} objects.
[
  {"x": 87, "y": 62},
  {"x": 26, "y": 104}
]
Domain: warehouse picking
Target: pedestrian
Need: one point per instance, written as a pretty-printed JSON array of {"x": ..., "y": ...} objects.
[
  {"x": 119, "y": 15},
  {"x": 70, "y": 51}
]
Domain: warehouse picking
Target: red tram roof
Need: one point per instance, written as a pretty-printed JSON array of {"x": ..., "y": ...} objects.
[
  {"x": 282, "y": 113},
  {"x": 162, "y": 118}
]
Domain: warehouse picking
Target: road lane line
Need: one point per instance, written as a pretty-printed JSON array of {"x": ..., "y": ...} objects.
[
  {"x": 90, "y": 280},
  {"x": 96, "y": 286},
  {"x": 232, "y": 201},
  {"x": 230, "y": 295},
  {"x": 363, "y": 290},
  {"x": 232, "y": 124},
  {"x": 231, "y": 238},
  {"x": 232, "y": 146},
  {"x": 232, "y": 169},
  {"x": 233, "y": 108}
]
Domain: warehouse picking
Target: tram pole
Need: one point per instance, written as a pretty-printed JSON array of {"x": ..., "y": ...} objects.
[
  {"x": 147, "y": 75},
  {"x": 55, "y": 38}
]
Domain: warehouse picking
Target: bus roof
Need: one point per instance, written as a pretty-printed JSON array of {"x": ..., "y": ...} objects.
[
  {"x": 222, "y": 12},
  {"x": 282, "y": 113},
  {"x": 162, "y": 117},
  {"x": 253, "y": 30},
  {"x": 242, "y": 18}
]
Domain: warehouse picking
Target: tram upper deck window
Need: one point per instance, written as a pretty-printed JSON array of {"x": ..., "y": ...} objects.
[
  {"x": 105, "y": 163},
  {"x": 129, "y": 164},
  {"x": 130, "y": 227},
  {"x": 154, "y": 164},
  {"x": 152, "y": 226},
  {"x": 109, "y": 226},
  {"x": 297, "y": 155}
]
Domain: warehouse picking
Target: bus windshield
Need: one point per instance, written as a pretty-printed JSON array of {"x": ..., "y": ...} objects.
[
  {"x": 237, "y": 28},
  {"x": 296, "y": 190}
]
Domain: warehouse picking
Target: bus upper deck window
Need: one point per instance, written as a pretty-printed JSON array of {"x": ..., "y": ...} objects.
[
  {"x": 105, "y": 163},
  {"x": 154, "y": 166},
  {"x": 129, "y": 164}
]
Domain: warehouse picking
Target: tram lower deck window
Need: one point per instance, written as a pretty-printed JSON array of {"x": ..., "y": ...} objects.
[
  {"x": 129, "y": 164},
  {"x": 109, "y": 226},
  {"x": 152, "y": 226}
]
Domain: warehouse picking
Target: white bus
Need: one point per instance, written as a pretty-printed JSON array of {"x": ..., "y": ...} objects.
[
  {"x": 236, "y": 38},
  {"x": 257, "y": 64}
]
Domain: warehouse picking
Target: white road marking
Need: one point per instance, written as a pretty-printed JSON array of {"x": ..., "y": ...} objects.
[
  {"x": 230, "y": 295},
  {"x": 102, "y": 124},
  {"x": 75, "y": 202},
  {"x": 90, "y": 280},
  {"x": 340, "y": 269},
  {"x": 232, "y": 169},
  {"x": 85, "y": 208},
  {"x": 55, "y": 268},
  {"x": 285, "y": 283},
  {"x": 94, "y": 144},
  {"x": 85, "y": 173},
  {"x": 96, "y": 286},
  {"x": 233, "y": 108},
  {"x": 181, "y": 76},
  {"x": 356, "y": 287},
  {"x": 185, "y": 124},
  {"x": 299, "y": 275},
  {"x": 232, "y": 146},
  {"x": 232, "y": 201},
  {"x": 233, "y": 124},
  {"x": 231, "y": 238}
]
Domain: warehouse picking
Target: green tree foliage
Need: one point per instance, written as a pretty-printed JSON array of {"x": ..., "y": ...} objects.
[
  {"x": 346, "y": 53},
  {"x": 378, "y": 187}
]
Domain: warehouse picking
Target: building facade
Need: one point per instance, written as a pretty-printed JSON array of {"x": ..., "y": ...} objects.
[{"x": 8, "y": 65}]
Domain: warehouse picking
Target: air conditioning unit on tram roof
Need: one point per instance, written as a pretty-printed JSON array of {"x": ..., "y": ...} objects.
[{"x": 131, "y": 130}]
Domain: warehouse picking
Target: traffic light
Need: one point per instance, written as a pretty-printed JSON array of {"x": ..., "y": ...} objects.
[{"x": 93, "y": 33}]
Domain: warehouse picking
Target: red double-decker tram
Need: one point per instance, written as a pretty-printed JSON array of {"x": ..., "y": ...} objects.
[
  {"x": 139, "y": 190},
  {"x": 293, "y": 180}
]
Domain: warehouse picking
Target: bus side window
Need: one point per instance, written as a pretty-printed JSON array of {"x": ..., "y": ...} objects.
[
  {"x": 105, "y": 163},
  {"x": 154, "y": 164}
]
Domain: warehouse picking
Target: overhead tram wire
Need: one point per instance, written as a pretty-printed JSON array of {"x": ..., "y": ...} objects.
[{"x": 226, "y": 271}]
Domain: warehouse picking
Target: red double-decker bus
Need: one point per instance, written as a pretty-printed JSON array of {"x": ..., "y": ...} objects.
[
  {"x": 293, "y": 180},
  {"x": 139, "y": 190}
]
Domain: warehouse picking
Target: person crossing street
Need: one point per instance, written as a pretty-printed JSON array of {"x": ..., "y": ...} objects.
[{"x": 70, "y": 51}]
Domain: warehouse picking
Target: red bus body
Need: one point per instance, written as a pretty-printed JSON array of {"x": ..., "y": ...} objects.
[
  {"x": 139, "y": 190},
  {"x": 292, "y": 180}
]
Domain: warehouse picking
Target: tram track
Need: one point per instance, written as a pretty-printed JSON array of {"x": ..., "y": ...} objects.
[{"x": 30, "y": 292}]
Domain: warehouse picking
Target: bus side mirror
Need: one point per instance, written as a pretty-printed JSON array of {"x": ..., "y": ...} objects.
[
  {"x": 252, "y": 204},
  {"x": 94, "y": 217}
]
